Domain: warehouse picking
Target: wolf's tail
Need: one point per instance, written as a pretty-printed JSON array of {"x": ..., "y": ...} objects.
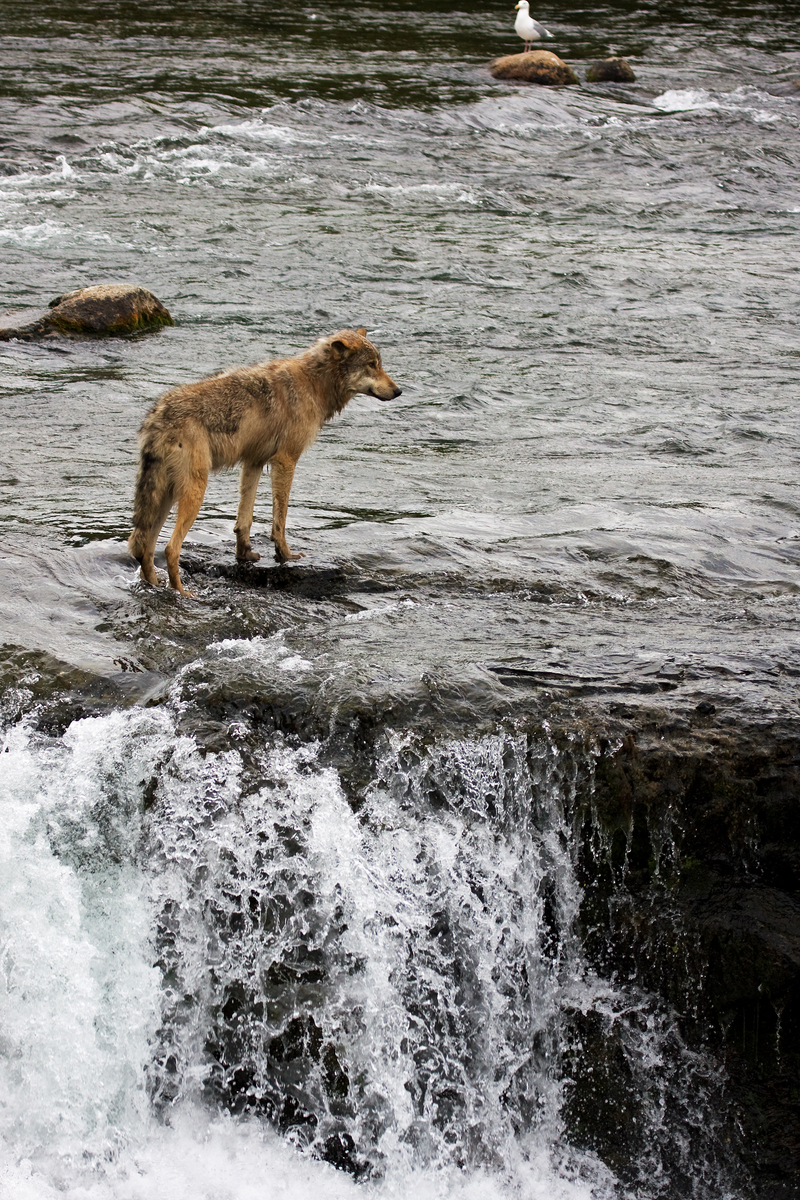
[{"x": 152, "y": 491}]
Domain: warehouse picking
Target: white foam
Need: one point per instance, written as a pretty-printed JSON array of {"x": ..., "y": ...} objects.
[
  {"x": 51, "y": 231},
  {"x": 203, "y": 1158},
  {"x": 449, "y": 192},
  {"x": 195, "y": 1158},
  {"x": 34, "y": 235},
  {"x": 748, "y": 102},
  {"x": 264, "y": 131},
  {"x": 379, "y": 610},
  {"x": 77, "y": 990},
  {"x": 685, "y": 100},
  {"x": 295, "y": 662}
]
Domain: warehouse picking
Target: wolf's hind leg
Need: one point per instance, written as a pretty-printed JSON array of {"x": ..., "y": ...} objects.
[
  {"x": 142, "y": 542},
  {"x": 188, "y": 508},
  {"x": 248, "y": 485}
]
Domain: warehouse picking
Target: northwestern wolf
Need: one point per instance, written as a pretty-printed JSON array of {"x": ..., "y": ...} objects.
[{"x": 268, "y": 413}]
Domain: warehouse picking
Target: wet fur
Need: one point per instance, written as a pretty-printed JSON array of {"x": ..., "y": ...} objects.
[{"x": 265, "y": 414}]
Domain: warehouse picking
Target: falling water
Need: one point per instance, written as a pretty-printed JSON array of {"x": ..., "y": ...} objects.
[{"x": 212, "y": 955}]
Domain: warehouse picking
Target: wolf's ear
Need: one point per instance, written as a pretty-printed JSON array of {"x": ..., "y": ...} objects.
[
  {"x": 339, "y": 348},
  {"x": 362, "y": 331}
]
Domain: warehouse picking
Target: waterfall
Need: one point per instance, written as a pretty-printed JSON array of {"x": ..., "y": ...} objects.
[{"x": 216, "y": 963}]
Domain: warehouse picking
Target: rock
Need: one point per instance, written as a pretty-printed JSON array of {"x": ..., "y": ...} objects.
[
  {"x": 603, "y": 1100},
  {"x": 611, "y": 70},
  {"x": 107, "y": 309},
  {"x": 786, "y": 87},
  {"x": 691, "y": 874},
  {"x": 535, "y": 66}
]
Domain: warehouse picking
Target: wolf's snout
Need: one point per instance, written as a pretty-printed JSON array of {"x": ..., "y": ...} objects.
[
  {"x": 387, "y": 391},
  {"x": 392, "y": 388}
]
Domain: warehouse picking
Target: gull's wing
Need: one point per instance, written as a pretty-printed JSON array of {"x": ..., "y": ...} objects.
[{"x": 540, "y": 29}]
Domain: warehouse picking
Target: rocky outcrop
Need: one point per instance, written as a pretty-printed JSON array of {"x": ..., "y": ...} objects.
[
  {"x": 691, "y": 870},
  {"x": 106, "y": 310},
  {"x": 535, "y": 66},
  {"x": 611, "y": 70}
]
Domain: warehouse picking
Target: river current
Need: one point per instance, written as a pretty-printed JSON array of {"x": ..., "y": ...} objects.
[{"x": 289, "y": 885}]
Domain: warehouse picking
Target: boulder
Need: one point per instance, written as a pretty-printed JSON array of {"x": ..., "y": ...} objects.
[
  {"x": 611, "y": 70},
  {"x": 534, "y": 66},
  {"x": 690, "y": 873},
  {"x": 107, "y": 309}
]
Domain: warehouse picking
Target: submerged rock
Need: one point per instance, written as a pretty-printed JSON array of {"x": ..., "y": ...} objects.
[
  {"x": 108, "y": 309},
  {"x": 611, "y": 70},
  {"x": 534, "y": 66}
]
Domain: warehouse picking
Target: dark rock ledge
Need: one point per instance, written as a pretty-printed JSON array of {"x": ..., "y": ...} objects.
[{"x": 690, "y": 862}]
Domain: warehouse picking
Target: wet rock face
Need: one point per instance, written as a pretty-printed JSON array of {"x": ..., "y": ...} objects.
[
  {"x": 611, "y": 70},
  {"x": 691, "y": 869},
  {"x": 535, "y": 66},
  {"x": 103, "y": 310}
]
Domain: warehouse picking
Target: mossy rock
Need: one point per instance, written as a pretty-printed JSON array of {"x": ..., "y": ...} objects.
[
  {"x": 105, "y": 310},
  {"x": 611, "y": 70},
  {"x": 534, "y": 66}
]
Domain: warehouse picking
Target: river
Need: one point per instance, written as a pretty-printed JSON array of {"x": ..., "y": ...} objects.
[{"x": 291, "y": 892}]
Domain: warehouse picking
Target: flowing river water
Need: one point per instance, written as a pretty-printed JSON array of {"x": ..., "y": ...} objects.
[{"x": 290, "y": 884}]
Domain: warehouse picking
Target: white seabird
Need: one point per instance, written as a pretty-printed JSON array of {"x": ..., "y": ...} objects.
[{"x": 529, "y": 30}]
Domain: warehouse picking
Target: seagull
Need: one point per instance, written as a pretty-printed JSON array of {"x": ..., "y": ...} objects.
[{"x": 529, "y": 30}]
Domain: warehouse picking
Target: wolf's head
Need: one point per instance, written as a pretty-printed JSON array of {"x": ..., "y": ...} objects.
[{"x": 359, "y": 364}]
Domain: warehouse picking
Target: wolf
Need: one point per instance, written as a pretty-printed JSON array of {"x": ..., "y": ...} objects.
[{"x": 266, "y": 414}]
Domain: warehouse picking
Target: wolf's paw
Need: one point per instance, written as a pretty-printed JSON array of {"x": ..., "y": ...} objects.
[
  {"x": 182, "y": 591},
  {"x": 289, "y": 556},
  {"x": 248, "y": 555}
]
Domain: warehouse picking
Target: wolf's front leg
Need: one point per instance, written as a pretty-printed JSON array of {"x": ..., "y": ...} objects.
[
  {"x": 248, "y": 485},
  {"x": 282, "y": 470}
]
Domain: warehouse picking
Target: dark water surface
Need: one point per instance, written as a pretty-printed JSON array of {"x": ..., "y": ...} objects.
[{"x": 588, "y": 489}]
